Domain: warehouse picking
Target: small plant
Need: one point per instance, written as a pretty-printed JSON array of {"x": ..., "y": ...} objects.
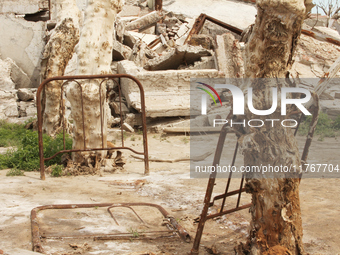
[
  {"x": 96, "y": 207},
  {"x": 134, "y": 232},
  {"x": 57, "y": 170},
  {"x": 15, "y": 172},
  {"x": 185, "y": 139},
  {"x": 163, "y": 137},
  {"x": 133, "y": 138}
]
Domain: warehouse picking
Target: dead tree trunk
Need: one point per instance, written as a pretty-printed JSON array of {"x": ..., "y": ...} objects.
[
  {"x": 94, "y": 53},
  {"x": 276, "y": 226},
  {"x": 58, "y": 51}
]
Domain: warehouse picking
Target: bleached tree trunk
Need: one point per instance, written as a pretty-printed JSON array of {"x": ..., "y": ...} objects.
[
  {"x": 94, "y": 53},
  {"x": 58, "y": 51},
  {"x": 276, "y": 226}
]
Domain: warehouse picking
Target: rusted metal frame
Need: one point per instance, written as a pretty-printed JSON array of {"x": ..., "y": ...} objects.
[
  {"x": 199, "y": 23},
  {"x": 73, "y": 78},
  {"x": 196, "y": 28},
  {"x": 210, "y": 187},
  {"x": 36, "y": 242}
]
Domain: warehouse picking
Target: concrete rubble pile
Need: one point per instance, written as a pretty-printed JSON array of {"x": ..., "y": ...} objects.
[
  {"x": 156, "y": 49},
  {"x": 164, "y": 50},
  {"x": 17, "y": 100}
]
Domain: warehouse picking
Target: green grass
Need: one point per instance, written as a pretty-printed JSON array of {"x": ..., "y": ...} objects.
[
  {"x": 326, "y": 127},
  {"x": 11, "y": 134},
  {"x": 26, "y": 157}
]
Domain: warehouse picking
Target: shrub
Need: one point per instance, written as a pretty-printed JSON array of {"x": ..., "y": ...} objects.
[
  {"x": 15, "y": 172},
  {"x": 26, "y": 157}
]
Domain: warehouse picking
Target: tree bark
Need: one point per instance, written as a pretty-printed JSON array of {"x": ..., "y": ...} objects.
[
  {"x": 94, "y": 53},
  {"x": 58, "y": 51},
  {"x": 276, "y": 226}
]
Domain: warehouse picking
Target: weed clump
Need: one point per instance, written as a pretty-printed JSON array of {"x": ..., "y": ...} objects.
[
  {"x": 26, "y": 157},
  {"x": 15, "y": 172}
]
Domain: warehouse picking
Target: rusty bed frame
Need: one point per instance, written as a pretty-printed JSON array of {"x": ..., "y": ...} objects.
[{"x": 75, "y": 79}]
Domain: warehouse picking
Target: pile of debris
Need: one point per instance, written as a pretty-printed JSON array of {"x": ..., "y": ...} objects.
[{"x": 17, "y": 99}]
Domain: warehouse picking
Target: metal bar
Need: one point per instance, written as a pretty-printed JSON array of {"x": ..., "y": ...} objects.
[
  {"x": 94, "y": 149},
  {"x": 310, "y": 134},
  {"x": 158, "y": 5},
  {"x": 120, "y": 113},
  {"x": 126, "y": 207},
  {"x": 208, "y": 194},
  {"x": 224, "y": 25},
  {"x": 101, "y": 113},
  {"x": 229, "y": 194},
  {"x": 211, "y": 216},
  {"x": 196, "y": 28},
  {"x": 102, "y": 236},
  {"x": 299, "y": 122},
  {"x": 240, "y": 192}
]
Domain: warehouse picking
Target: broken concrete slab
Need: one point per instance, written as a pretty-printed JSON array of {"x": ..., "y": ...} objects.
[
  {"x": 146, "y": 21},
  {"x": 120, "y": 51},
  {"x": 147, "y": 38},
  {"x": 18, "y": 76},
  {"x": 129, "y": 39},
  {"x": 8, "y": 105},
  {"x": 25, "y": 95},
  {"x": 183, "y": 31},
  {"x": 23, "y": 6},
  {"x": 175, "y": 57},
  {"x": 229, "y": 56},
  {"x": 115, "y": 106},
  {"x": 205, "y": 41},
  {"x": 24, "y": 43},
  {"x": 6, "y": 82},
  {"x": 142, "y": 53},
  {"x": 127, "y": 127},
  {"x": 205, "y": 63},
  {"x": 167, "y": 93},
  {"x": 27, "y": 109},
  {"x": 129, "y": 11},
  {"x": 328, "y": 31}
]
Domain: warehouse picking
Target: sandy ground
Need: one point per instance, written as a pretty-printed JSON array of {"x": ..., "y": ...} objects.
[{"x": 168, "y": 185}]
